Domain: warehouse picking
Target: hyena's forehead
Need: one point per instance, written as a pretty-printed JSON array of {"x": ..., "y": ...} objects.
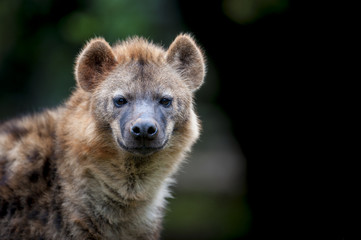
[
  {"x": 139, "y": 50},
  {"x": 142, "y": 78}
]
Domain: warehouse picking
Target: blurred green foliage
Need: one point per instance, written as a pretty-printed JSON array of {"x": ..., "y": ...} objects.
[
  {"x": 201, "y": 216},
  {"x": 39, "y": 40},
  {"x": 247, "y": 11},
  {"x": 114, "y": 19}
]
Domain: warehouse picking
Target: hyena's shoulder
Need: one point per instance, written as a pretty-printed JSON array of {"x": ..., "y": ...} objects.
[
  {"x": 27, "y": 147},
  {"x": 27, "y": 173}
]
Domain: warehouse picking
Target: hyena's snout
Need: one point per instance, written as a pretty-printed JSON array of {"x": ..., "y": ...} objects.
[
  {"x": 144, "y": 129},
  {"x": 145, "y": 136}
]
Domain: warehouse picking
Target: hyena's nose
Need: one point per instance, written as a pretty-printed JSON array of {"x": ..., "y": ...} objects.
[{"x": 144, "y": 128}]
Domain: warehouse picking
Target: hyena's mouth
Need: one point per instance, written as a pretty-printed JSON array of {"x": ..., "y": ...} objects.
[{"x": 143, "y": 149}]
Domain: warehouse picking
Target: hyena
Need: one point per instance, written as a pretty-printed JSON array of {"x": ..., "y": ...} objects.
[{"x": 99, "y": 166}]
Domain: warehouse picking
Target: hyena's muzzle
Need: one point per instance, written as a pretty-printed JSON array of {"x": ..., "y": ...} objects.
[{"x": 143, "y": 127}]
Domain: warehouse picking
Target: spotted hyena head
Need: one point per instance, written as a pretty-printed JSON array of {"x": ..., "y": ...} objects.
[{"x": 141, "y": 91}]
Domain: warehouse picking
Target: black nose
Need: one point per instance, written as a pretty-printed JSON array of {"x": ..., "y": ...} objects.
[{"x": 144, "y": 128}]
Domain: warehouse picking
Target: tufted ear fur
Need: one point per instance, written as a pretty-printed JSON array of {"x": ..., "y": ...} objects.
[
  {"x": 187, "y": 58},
  {"x": 93, "y": 63}
]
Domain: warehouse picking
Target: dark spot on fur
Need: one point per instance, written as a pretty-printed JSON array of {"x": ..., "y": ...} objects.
[
  {"x": 107, "y": 127},
  {"x": 143, "y": 74},
  {"x": 139, "y": 162},
  {"x": 14, "y": 131},
  {"x": 33, "y": 214},
  {"x": 104, "y": 127},
  {"x": 34, "y": 177},
  {"x": 3, "y": 175},
  {"x": 186, "y": 56},
  {"x": 131, "y": 182},
  {"x": 29, "y": 202},
  {"x": 34, "y": 155},
  {"x": 58, "y": 220},
  {"x": 42, "y": 134},
  {"x": 141, "y": 62},
  {"x": 52, "y": 133},
  {"x": 15, "y": 206},
  {"x": 13, "y": 230},
  {"x": 3, "y": 159},
  {"x": 3, "y": 208},
  {"x": 43, "y": 217},
  {"x": 46, "y": 168}
]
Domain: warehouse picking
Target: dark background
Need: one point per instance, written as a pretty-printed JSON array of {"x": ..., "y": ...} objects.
[
  {"x": 268, "y": 90},
  {"x": 276, "y": 85}
]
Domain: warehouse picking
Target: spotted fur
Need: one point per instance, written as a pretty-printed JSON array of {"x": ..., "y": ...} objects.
[{"x": 69, "y": 173}]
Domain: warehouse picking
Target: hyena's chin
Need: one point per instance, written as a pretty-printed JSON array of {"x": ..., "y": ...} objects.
[{"x": 143, "y": 149}]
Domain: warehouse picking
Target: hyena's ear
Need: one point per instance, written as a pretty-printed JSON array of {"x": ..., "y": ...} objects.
[
  {"x": 93, "y": 63},
  {"x": 187, "y": 58}
]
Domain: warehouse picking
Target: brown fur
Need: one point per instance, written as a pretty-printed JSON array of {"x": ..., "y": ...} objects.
[{"x": 67, "y": 173}]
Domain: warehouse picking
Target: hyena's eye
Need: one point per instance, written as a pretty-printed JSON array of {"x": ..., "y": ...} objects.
[
  {"x": 166, "y": 101},
  {"x": 119, "y": 101}
]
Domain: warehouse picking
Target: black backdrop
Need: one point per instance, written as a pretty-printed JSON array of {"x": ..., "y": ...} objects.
[{"x": 274, "y": 84}]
